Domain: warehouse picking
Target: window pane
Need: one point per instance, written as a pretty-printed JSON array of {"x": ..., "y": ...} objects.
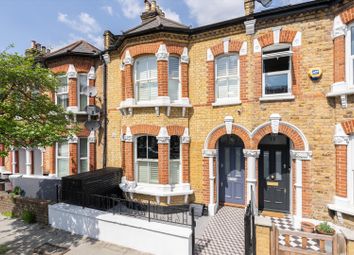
[
  {"x": 221, "y": 88},
  {"x": 63, "y": 149},
  {"x": 238, "y": 162},
  {"x": 175, "y": 147},
  {"x": 63, "y": 84},
  {"x": 352, "y": 33},
  {"x": 154, "y": 172},
  {"x": 83, "y": 165},
  {"x": 173, "y": 68},
  {"x": 152, "y": 147},
  {"x": 152, "y": 65},
  {"x": 221, "y": 65},
  {"x": 63, "y": 167},
  {"x": 83, "y": 148},
  {"x": 83, "y": 102},
  {"x": 143, "y": 91},
  {"x": 278, "y": 163},
  {"x": 232, "y": 65},
  {"x": 173, "y": 90},
  {"x": 63, "y": 100},
  {"x": 82, "y": 81},
  {"x": 141, "y": 147},
  {"x": 275, "y": 84},
  {"x": 153, "y": 90},
  {"x": 266, "y": 164},
  {"x": 233, "y": 87},
  {"x": 174, "y": 172},
  {"x": 143, "y": 172},
  {"x": 276, "y": 64}
]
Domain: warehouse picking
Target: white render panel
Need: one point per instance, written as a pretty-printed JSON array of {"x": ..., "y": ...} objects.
[{"x": 150, "y": 237}]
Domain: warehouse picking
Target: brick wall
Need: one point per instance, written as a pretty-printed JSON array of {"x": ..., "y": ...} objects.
[{"x": 17, "y": 205}]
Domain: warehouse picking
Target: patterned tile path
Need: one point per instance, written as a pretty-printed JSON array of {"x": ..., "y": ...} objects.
[{"x": 224, "y": 234}]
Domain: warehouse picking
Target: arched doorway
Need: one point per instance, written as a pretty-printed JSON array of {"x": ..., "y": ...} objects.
[
  {"x": 231, "y": 181},
  {"x": 274, "y": 173}
]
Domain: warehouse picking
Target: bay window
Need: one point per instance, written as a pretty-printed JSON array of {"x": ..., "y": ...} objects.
[
  {"x": 62, "y": 93},
  {"x": 175, "y": 160},
  {"x": 350, "y": 55},
  {"x": 83, "y": 155},
  {"x": 174, "y": 78},
  {"x": 277, "y": 70},
  {"x": 227, "y": 79},
  {"x": 145, "y": 77},
  {"x": 62, "y": 159},
  {"x": 147, "y": 159},
  {"x": 82, "y": 97}
]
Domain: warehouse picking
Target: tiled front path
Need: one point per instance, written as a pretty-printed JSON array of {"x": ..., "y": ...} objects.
[{"x": 224, "y": 234}]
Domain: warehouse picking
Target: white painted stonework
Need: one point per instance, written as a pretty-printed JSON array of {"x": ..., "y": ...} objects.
[{"x": 139, "y": 234}]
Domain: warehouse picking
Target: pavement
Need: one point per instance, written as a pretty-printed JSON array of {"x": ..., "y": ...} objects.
[{"x": 23, "y": 239}]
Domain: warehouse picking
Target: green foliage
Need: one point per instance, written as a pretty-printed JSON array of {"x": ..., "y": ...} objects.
[
  {"x": 28, "y": 115},
  {"x": 28, "y": 217},
  {"x": 3, "y": 249},
  {"x": 325, "y": 228},
  {"x": 17, "y": 191},
  {"x": 8, "y": 214}
]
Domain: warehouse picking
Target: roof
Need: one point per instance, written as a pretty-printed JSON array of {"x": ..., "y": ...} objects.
[
  {"x": 77, "y": 48},
  {"x": 156, "y": 22}
]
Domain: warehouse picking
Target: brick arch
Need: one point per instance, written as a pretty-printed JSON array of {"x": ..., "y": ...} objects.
[
  {"x": 286, "y": 36},
  {"x": 218, "y": 49},
  {"x": 347, "y": 16},
  {"x": 216, "y": 134},
  {"x": 152, "y": 48},
  {"x": 289, "y": 131},
  {"x": 348, "y": 127},
  {"x": 175, "y": 130},
  {"x": 145, "y": 129}
]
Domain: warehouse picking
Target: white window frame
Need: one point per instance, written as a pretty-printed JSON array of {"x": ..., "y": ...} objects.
[
  {"x": 79, "y": 93},
  {"x": 137, "y": 160},
  {"x": 84, "y": 158},
  {"x": 349, "y": 57},
  {"x": 62, "y": 93},
  {"x": 136, "y": 82},
  {"x": 175, "y": 160},
  {"x": 350, "y": 165},
  {"x": 285, "y": 53},
  {"x": 227, "y": 99},
  {"x": 57, "y": 157},
  {"x": 179, "y": 77}
]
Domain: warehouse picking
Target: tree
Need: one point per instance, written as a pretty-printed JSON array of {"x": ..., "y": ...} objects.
[{"x": 28, "y": 115}]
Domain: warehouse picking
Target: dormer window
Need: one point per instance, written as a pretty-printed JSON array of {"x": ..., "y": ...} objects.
[
  {"x": 62, "y": 93},
  {"x": 227, "y": 78},
  {"x": 145, "y": 76},
  {"x": 277, "y": 70},
  {"x": 174, "y": 82}
]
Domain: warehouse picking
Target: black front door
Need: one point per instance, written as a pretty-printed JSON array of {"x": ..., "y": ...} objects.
[{"x": 274, "y": 178}]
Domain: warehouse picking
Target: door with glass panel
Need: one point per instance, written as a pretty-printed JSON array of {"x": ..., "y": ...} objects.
[
  {"x": 274, "y": 178},
  {"x": 231, "y": 170}
]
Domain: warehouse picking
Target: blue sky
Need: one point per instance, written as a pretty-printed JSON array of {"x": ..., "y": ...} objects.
[{"x": 55, "y": 23}]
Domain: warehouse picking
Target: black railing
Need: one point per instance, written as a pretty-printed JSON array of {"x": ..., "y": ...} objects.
[{"x": 250, "y": 227}]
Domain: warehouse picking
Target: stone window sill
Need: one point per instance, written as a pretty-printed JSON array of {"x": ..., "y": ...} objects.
[
  {"x": 346, "y": 209},
  {"x": 226, "y": 102},
  {"x": 157, "y": 190},
  {"x": 277, "y": 98},
  {"x": 342, "y": 90},
  {"x": 127, "y": 107}
]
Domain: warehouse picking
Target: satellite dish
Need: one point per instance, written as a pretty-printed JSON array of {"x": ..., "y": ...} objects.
[
  {"x": 90, "y": 91},
  {"x": 92, "y": 125},
  {"x": 265, "y": 3},
  {"x": 92, "y": 110}
]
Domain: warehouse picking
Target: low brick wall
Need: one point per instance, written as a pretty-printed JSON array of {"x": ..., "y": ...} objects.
[{"x": 17, "y": 205}]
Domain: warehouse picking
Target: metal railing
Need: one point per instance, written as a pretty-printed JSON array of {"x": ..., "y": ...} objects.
[{"x": 250, "y": 226}]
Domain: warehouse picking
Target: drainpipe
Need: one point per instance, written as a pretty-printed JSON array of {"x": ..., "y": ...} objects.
[{"x": 105, "y": 60}]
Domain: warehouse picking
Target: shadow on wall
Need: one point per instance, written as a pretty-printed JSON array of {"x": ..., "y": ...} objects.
[{"x": 41, "y": 187}]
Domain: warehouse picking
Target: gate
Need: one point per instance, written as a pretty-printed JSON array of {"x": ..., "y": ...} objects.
[{"x": 250, "y": 227}]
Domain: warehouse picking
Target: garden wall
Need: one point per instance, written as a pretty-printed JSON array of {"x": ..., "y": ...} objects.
[{"x": 17, "y": 205}]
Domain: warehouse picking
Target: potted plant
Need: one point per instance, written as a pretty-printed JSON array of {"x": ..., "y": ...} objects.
[
  {"x": 307, "y": 227},
  {"x": 325, "y": 229}
]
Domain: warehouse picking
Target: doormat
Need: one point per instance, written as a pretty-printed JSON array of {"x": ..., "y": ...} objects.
[
  {"x": 50, "y": 249},
  {"x": 273, "y": 214}
]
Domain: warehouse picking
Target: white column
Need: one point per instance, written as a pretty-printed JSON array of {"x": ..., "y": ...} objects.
[
  {"x": 211, "y": 154},
  {"x": 28, "y": 161},
  {"x": 299, "y": 156},
  {"x": 13, "y": 155},
  {"x": 251, "y": 156}
]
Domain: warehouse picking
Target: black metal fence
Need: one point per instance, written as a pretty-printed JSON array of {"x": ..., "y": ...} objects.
[{"x": 250, "y": 227}]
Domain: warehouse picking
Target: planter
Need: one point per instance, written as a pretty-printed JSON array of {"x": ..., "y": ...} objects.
[
  {"x": 307, "y": 227},
  {"x": 325, "y": 233}
]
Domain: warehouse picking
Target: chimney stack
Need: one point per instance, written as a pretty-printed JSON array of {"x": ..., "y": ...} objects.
[
  {"x": 147, "y": 6},
  {"x": 249, "y": 7},
  {"x": 151, "y": 11},
  {"x": 33, "y": 44}
]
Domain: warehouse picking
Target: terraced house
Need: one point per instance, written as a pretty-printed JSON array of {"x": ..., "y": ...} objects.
[{"x": 262, "y": 102}]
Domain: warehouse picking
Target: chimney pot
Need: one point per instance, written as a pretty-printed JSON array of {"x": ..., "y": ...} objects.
[
  {"x": 33, "y": 44},
  {"x": 48, "y": 50},
  {"x": 43, "y": 49},
  {"x": 147, "y": 5},
  {"x": 153, "y": 5},
  {"x": 38, "y": 46}
]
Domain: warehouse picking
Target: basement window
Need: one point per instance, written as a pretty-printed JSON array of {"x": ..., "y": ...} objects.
[{"x": 276, "y": 71}]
